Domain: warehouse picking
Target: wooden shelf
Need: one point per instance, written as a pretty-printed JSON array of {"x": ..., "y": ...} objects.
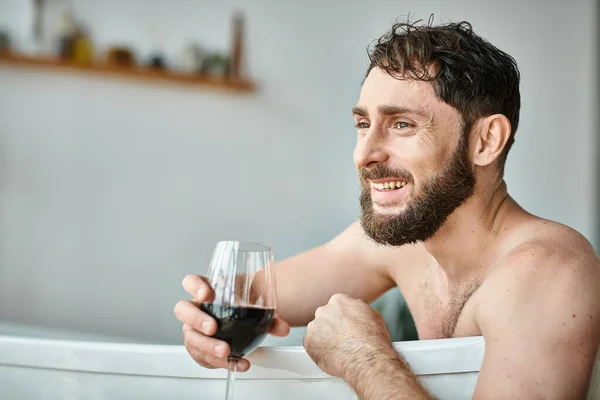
[{"x": 142, "y": 74}]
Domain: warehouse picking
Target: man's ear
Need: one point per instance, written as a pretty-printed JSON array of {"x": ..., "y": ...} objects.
[{"x": 489, "y": 136}]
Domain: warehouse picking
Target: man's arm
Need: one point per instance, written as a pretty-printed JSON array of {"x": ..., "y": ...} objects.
[
  {"x": 541, "y": 324},
  {"x": 540, "y": 319},
  {"x": 387, "y": 377},
  {"x": 349, "y": 339},
  {"x": 350, "y": 263}
]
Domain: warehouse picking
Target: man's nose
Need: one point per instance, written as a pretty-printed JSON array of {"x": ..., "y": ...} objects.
[{"x": 370, "y": 150}]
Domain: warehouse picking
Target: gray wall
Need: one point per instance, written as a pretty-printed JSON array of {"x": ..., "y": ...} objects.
[{"x": 111, "y": 191}]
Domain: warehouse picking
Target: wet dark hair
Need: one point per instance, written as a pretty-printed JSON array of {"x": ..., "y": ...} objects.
[{"x": 467, "y": 72}]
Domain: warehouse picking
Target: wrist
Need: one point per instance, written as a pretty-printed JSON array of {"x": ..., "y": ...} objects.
[{"x": 372, "y": 361}]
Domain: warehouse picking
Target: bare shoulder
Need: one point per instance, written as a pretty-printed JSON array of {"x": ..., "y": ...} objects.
[
  {"x": 558, "y": 238},
  {"x": 539, "y": 313},
  {"x": 548, "y": 270},
  {"x": 545, "y": 248}
]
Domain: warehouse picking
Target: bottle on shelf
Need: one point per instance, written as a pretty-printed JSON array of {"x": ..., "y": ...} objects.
[
  {"x": 83, "y": 49},
  {"x": 235, "y": 67},
  {"x": 65, "y": 35}
]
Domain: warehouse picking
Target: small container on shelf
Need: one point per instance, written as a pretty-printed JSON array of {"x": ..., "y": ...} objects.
[
  {"x": 66, "y": 32},
  {"x": 119, "y": 57},
  {"x": 191, "y": 59},
  {"x": 215, "y": 64},
  {"x": 83, "y": 49},
  {"x": 157, "y": 61}
]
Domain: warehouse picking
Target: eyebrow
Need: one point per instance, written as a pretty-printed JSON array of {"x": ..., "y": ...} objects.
[{"x": 388, "y": 110}]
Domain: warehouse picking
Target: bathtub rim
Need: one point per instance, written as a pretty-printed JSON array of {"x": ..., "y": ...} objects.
[{"x": 425, "y": 357}]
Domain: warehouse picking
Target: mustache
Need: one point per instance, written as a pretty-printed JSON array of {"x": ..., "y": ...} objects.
[{"x": 381, "y": 171}]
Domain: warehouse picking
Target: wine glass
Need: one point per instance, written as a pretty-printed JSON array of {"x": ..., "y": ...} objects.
[{"x": 244, "y": 301}]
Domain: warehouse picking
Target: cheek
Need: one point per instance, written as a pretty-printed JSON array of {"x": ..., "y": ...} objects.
[
  {"x": 415, "y": 156},
  {"x": 423, "y": 160},
  {"x": 436, "y": 153}
]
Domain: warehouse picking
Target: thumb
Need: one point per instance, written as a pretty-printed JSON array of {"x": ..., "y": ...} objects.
[{"x": 279, "y": 327}]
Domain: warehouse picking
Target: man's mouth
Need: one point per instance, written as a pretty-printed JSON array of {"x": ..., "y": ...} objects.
[{"x": 388, "y": 185}]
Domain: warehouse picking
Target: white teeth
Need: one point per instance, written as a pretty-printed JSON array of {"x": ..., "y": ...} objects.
[{"x": 389, "y": 185}]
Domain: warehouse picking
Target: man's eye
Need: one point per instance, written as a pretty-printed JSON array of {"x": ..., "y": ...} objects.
[
  {"x": 362, "y": 125},
  {"x": 401, "y": 125}
]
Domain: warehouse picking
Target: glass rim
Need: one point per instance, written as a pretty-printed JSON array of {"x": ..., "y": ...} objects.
[{"x": 252, "y": 246}]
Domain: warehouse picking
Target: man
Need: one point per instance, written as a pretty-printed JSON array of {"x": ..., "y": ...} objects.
[{"x": 435, "y": 121}]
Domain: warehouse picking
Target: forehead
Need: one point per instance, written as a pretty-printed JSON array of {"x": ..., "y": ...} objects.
[{"x": 381, "y": 89}]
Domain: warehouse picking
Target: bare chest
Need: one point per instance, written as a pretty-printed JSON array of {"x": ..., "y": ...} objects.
[{"x": 440, "y": 311}]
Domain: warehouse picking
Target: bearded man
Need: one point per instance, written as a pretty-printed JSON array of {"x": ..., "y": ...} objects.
[{"x": 435, "y": 121}]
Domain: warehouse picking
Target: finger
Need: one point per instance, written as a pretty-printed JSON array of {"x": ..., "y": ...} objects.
[
  {"x": 189, "y": 313},
  {"x": 319, "y": 312},
  {"x": 307, "y": 337},
  {"x": 309, "y": 327},
  {"x": 242, "y": 365},
  {"x": 198, "y": 287},
  {"x": 204, "y": 360},
  {"x": 279, "y": 327},
  {"x": 200, "y": 358},
  {"x": 210, "y": 352},
  {"x": 197, "y": 355},
  {"x": 338, "y": 298},
  {"x": 205, "y": 349}
]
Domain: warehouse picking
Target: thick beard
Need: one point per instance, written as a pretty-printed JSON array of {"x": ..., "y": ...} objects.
[{"x": 424, "y": 215}]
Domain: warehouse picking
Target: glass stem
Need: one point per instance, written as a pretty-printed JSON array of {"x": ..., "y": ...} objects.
[{"x": 231, "y": 369}]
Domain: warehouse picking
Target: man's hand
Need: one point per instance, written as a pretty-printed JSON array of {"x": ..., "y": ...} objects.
[
  {"x": 344, "y": 334},
  {"x": 348, "y": 339},
  {"x": 198, "y": 327}
]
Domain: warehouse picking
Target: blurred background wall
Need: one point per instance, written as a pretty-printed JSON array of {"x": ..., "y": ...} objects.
[{"x": 111, "y": 190}]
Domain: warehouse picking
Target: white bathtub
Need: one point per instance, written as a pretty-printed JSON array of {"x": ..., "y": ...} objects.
[{"x": 67, "y": 366}]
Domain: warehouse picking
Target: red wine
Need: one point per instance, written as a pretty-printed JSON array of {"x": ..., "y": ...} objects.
[{"x": 243, "y": 328}]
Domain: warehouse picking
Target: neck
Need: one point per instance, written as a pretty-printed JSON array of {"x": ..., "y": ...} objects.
[{"x": 461, "y": 246}]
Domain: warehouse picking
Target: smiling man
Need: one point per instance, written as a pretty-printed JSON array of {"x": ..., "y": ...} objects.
[{"x": 436, "y": 118}]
